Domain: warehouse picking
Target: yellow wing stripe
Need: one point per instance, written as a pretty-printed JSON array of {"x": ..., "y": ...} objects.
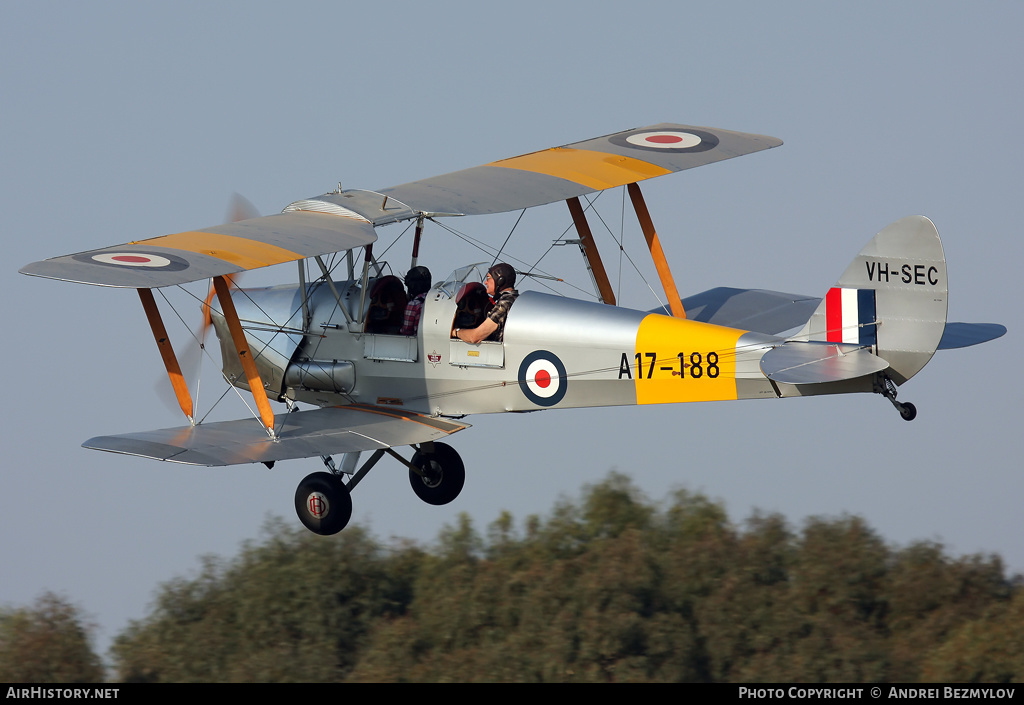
[
  {"x": 247, "y": 254},
  {"x": 596, "y": 170}
]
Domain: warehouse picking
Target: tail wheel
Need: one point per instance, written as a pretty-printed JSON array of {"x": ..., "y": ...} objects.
[
  {"x": 887, "y": 388},
  {"x": 443, "y": 475},
  {"x": 323, "y": 503}
]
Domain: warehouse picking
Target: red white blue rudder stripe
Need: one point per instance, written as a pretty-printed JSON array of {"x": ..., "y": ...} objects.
[{"x": 850, "y": 316}]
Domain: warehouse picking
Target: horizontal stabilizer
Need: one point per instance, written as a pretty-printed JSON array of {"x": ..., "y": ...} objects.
[
  {"x": 964, "y": 335},
  {"x": 815, "y": 363},
  {"x": 758, "y": 310},
  {"x": 302, "y": 434}
]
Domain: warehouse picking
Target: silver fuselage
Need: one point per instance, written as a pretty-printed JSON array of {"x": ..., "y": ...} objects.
[{"x": 557, "y": 353}]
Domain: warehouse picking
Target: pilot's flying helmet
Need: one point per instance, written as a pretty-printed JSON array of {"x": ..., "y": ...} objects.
[
  {"x": 417, "y": 280},
  {"x": 504, "y": 276}
]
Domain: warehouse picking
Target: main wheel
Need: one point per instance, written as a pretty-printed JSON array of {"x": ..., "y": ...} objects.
[
  {"x": 323, "y": 503},
  {"x": 908, "y": 411},
  {"x": 443, "y": 475}
]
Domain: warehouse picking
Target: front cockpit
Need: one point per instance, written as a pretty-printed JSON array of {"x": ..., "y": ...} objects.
[{"x": 310, "y": 342}]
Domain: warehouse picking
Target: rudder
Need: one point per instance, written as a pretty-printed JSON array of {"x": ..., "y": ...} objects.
[{"x": 892, "y": 298}]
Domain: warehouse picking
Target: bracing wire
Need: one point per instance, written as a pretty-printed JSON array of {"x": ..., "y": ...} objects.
[
  {"x": 335, "y": 261},
  {"x": 622, "y": 251},
  {"x": 527, "y": 268},
  {"x": 500, "y": 249},
  {"x": 725, "y": 355}
]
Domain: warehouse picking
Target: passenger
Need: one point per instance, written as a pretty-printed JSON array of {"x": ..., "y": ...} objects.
[
  {"x": 500, "y": 280},
  {"x": 471, "y": 305},
  {"x": 387, "y": 304},
  {"x": 417, "y": 281}
]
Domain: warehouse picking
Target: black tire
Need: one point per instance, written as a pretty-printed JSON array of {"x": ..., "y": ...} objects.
[
  {"x": 908, "y": 411},
  {"x": 443, "y": 475},
  {"x": 323, "y": 503}
]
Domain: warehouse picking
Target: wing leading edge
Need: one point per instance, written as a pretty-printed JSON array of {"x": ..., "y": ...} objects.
[
  {"x": 345, "y": 220},
  {"x": 202, "y": 254},
  {"x": 302, "y": 434},
  {"x": 576, "y": 169}
]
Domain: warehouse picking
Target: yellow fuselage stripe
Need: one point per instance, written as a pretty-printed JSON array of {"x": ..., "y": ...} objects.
[
  {"x": 596, "y": 170},
  {"x": 678, "y": 360},
  {"x": 240, "y": 251}
]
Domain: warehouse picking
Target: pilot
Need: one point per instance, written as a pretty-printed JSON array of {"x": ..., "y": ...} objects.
[
  {"x": 500, "y": 280},
  {"x": 417, "y": 281}
]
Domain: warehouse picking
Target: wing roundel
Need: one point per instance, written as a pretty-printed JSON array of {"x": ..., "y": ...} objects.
[
  {"x": 202, "y": 254},
  {"x": 575, "y": 169},
  {"x": 345, "y": 220}
]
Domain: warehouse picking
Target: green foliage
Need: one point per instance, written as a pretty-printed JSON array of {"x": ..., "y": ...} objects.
[
  {"x": 296, "y": 607},
  {"x": 609, "y": 588},
  {"x": 613, "y": 506},
  {"x": 930, "y": 597},
  {"x": 986, "y": 650},
  {"x": 47, "y": 643}
]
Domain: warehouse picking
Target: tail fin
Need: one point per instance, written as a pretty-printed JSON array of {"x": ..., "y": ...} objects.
[{"x": 892, "y": 298}]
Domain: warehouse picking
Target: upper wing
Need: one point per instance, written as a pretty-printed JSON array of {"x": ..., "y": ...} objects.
[
  {"x": 302, "y": 434},
  {"x": 575, "y": 169},
  {"x": 202, "y": 254},
  {"x": 341, "y": 221}
]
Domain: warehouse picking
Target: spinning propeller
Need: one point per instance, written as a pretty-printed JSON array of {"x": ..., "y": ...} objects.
[{"x": 191, "y": 360}]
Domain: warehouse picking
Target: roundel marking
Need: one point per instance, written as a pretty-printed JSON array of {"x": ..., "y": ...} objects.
[
  {"x": 132, "y": 259},
  {"x": 136, "y": 260},
  {"x": 678, "y": 141},
  {"x": 664, "y": 140},
  {"x": 542, "y": 378}
]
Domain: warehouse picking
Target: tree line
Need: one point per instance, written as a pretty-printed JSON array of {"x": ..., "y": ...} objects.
[{"x": 610, "y": 587}]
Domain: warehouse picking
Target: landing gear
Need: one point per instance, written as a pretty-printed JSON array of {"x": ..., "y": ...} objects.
[
  {"x": 323, "y": 500},
  {"x": 439, "y": 474},
  {"x": 887, "y": 388},
  {"x": 323, "y": 503}
]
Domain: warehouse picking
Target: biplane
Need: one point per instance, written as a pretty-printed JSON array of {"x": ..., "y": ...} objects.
[{"x": 331, "y": 341}]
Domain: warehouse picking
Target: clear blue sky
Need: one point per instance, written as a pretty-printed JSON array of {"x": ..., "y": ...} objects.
[{"x": 129, "y": 120}]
